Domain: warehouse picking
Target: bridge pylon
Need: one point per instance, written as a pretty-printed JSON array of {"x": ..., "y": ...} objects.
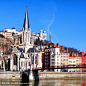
[{"x": 31, "y": 77}]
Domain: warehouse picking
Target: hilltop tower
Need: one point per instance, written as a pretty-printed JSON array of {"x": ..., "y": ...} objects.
[{"x": 50, "y": 37}]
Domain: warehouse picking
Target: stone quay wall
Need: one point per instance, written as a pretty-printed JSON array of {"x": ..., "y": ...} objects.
[
  {"x": 45, "y": 75},
  {"x": 62, "y": 75},
  {"x": 10, "y": 75}
]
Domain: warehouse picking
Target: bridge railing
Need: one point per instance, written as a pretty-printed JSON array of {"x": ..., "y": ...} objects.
[{"x": 62, "y": 66}]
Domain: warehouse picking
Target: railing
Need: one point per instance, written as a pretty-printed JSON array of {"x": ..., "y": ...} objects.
[{"x": 63, "y": 67}]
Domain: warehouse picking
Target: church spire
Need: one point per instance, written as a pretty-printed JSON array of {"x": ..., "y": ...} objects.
[{"x": 26, "y": 21}]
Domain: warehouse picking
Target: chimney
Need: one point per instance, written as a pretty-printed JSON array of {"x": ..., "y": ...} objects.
[
  {"x": 50, "y": 45},
  {"x": 72, "y": 53},
  {"x": 62, "y": 47},
  {"x": 66, "y": 48},
  {"x": 79, "y": 51},
  {"x": 53, "y": 45},
  {"x": 57, "y": 45}
]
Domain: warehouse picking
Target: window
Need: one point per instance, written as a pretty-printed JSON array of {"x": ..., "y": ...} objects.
[
  {"x": 57, "y": 56},
  {"x": 70, "y": 61},
  {"x": 52, "y": 56},
  {"x": 23, "y": 36},
  {"x": 24, "y": 64},
  {"x": 28, "y": 55},
  {"x": 21, "y": 63},
  {"x": 15, "y": 59},
  {"x": 28, "y": 37},
  {"x": 73, "y": 61},
  {"x": 53, "y": 63},
  {"x": 53, "y": 60},
  {"x": 28, "y": 63}
]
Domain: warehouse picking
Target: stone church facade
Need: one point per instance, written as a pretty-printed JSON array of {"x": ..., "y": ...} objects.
[{"x": 25, "y": 56}]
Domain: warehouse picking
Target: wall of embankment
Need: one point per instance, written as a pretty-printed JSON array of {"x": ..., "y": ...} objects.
[
  {"x": 10, "y": 75},
  {"x": 45, "y": 75},
  {"x": 62, "y": 75}
]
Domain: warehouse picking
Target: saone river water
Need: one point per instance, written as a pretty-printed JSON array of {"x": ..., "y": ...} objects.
[{"x": 81, "y": 82}]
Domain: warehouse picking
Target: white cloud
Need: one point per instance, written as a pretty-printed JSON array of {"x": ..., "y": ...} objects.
[{"x": 56, "y": 40}]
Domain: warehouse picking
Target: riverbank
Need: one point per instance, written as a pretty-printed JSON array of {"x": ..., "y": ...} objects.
[
  {"x": 44, "y": 75},
  {"x": 62, "y": 75},
  {"x": 9, "y": 75}
]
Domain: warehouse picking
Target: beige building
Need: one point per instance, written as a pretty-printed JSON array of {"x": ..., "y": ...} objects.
[
  {"x": 13, "y": 30},
  {"x": 64, "y": 56},
  {"x": 72, "y": 62},
  {"x": 6, "y": 34}
]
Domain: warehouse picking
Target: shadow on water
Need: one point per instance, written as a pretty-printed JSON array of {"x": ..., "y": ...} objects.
[
  {"x": 36, "y": 75},
  {"x": 25, "y": 79},
  {"x": 36, "y": 83}
]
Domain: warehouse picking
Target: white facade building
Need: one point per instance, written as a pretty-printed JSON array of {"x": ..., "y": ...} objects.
[
  {"x": 55, "y": 58},
  {"x": 42, "y": 35},
  {"x": 13, "y": 30}
]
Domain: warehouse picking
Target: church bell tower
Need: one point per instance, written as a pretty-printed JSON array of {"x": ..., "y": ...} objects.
[{"x": 26, "y": 33}]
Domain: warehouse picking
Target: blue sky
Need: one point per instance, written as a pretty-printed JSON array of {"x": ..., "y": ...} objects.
[{"x": 65, "y": 19}]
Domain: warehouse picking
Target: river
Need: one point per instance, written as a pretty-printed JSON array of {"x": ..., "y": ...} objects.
[{"x": 81, "y": 82}]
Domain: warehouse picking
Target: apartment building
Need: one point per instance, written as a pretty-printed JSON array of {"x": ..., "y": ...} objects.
[
  {"x": 55, "y": 58},
  {"x": 6, "y": 34},
  {"x": 13, "y": 30},
  {"x": 64, "y": 54},
  {"x": 72, "y": 63},
  {"x": 83, "y": 55},
  {"x": 78, "y": 62},
  {"x": 47, "y": 57}
]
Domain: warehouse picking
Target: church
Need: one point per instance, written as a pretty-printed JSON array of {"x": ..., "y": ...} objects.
[{"x": 25, "y": 56}]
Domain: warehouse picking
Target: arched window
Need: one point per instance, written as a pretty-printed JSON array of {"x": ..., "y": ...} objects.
[
  {"x": 15, "y": 59},
  {"x": 23, "y": 36},
  {"x": 28, "y": 37}
]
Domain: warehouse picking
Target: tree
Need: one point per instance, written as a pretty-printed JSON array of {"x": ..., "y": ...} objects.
[
  {"x": 13, "y": 33},
  {"x": 38, "y": 42}
]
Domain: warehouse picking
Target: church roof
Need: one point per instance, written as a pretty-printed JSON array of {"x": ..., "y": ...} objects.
[
  {"x": 20, "y": 49},
  {"x": 32, "y": 50},
  {"x": 26, "y": 21},
  {"x": 22, "y": 55}
]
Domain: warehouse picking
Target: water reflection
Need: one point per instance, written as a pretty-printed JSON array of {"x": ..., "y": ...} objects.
[
  {"x": 45, "y": 83},
  {"x": 62, "y": 82}
]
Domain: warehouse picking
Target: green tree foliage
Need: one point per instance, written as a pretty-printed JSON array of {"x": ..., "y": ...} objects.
[{"x": 38, "y": 42}]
